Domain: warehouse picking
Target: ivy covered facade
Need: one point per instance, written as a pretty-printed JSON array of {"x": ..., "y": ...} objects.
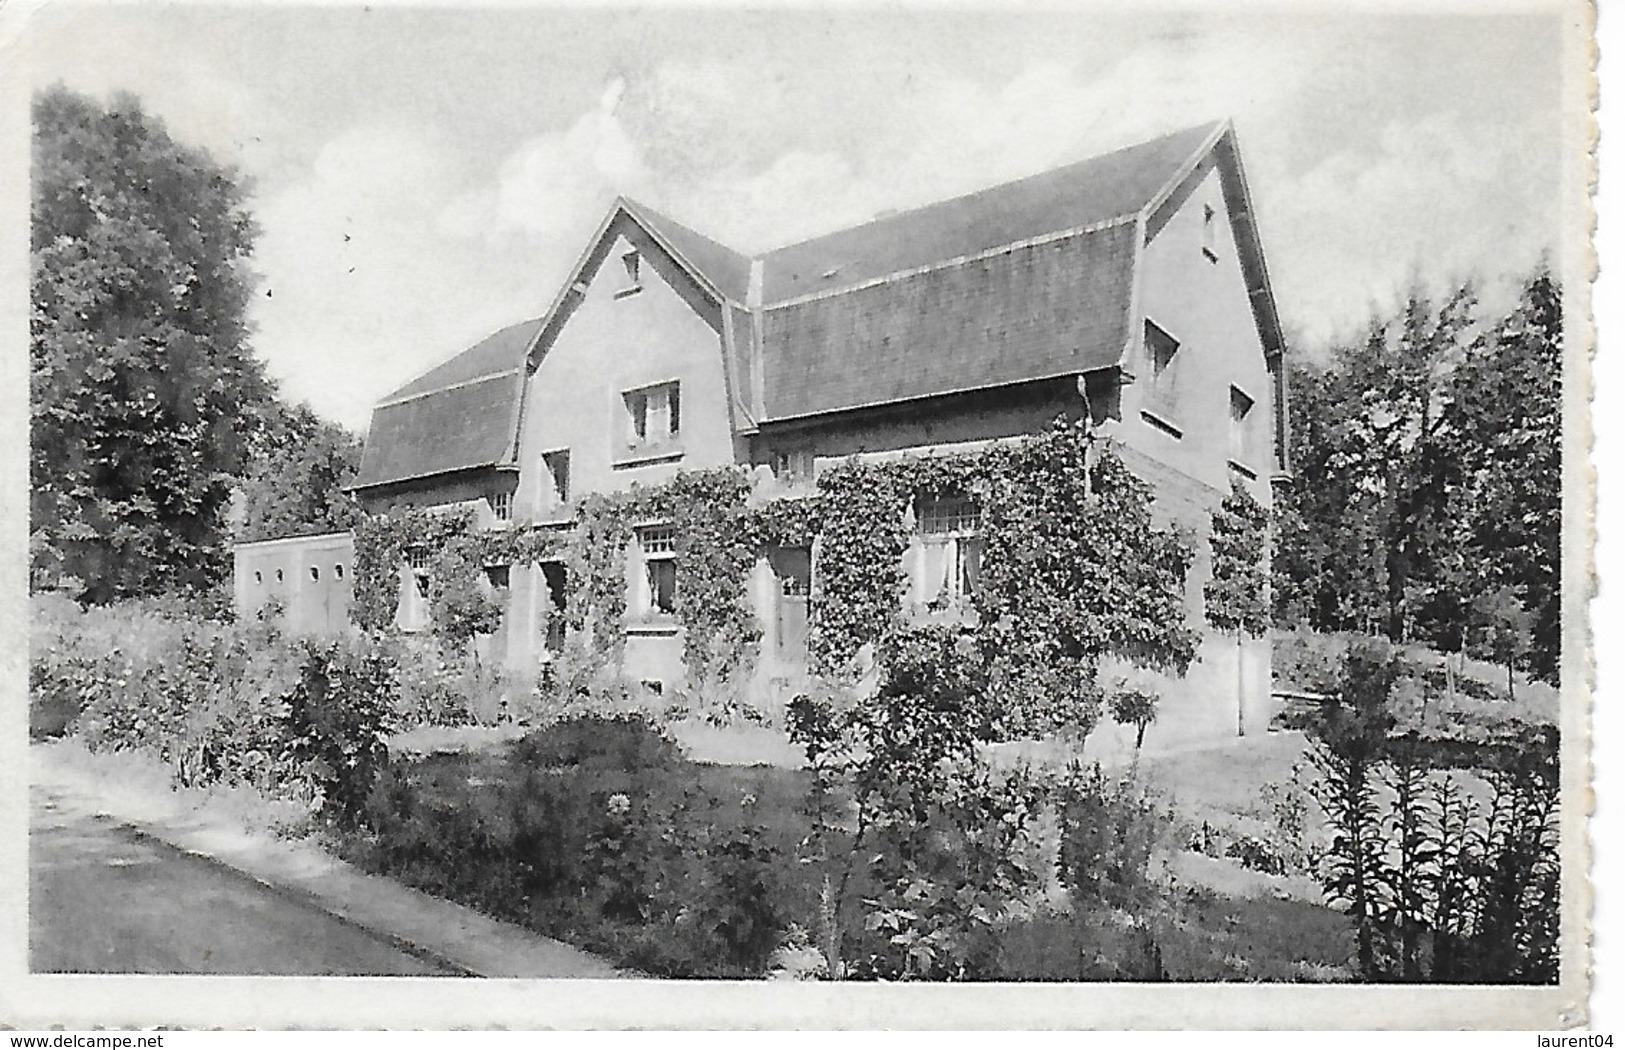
[{"x": 1013, "y": 414}]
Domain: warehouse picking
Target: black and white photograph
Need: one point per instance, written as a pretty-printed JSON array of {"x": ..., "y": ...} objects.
[{"x": 799, "y": 516}]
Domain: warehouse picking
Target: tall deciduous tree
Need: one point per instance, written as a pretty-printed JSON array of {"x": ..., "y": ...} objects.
[
  {"x": 145, "y": 398},
  {"x": 1429, "y": 478},
  {"x": 296, "y": 484},
  {"x": 1506, "y": 420}
]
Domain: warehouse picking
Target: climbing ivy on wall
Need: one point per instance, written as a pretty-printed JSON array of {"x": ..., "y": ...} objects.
[
  {"x": 381, "y": 545},
  {"x": 858, "y": 586},
  {"x": 714, "y": 559},
  {"x": 1237, "y": 594},
  {"x": 1073, "y": 570},
  {"x": 459, "y": 605}
]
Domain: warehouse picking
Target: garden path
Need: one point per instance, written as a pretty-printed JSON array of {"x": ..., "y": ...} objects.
[{"x": 454, "y": 938}]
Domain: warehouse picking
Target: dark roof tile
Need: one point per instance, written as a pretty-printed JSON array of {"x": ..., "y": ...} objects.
[
  {"x": 1089, "y": 192},
  {"x": 1054, "y": 308},
  {"x": 458, "y": 415},
  {"x": 503, "y": 351}
]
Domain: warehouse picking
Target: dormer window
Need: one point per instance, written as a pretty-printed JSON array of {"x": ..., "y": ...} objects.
[{"x": 634, "y": 278}]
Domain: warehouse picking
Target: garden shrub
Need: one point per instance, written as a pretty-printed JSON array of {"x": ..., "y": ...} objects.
[
  {"x": 595, "y": 830},
  {"x": 911, "y": 822},
  {"x": 1110, "y": 829},
  {"x": 1134, "y": 706},
  {"x": 339, "y": 717},
  {"x": 219, "y": 703},
  {"x": 629, "y": 743}
]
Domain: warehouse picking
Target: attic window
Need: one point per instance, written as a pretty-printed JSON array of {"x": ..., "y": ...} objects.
[
  {"x": 1210, "y": 233},
  {"x": 634, "y": 281}
]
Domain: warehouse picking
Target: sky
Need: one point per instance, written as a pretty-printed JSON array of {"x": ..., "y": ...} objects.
[{"x": 423, "y": 176}]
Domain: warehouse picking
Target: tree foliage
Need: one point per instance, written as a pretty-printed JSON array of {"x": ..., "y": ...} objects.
[
  {"x": 296, "y": 482},
  {"x": 1428, "y": 476},
  {"x": 145, "y": 398}
]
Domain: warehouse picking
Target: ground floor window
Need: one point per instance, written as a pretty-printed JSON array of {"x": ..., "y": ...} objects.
[
  {"x": 557, "y": 580},
  {"x": 657, "y": 545},
  {"x": 951, "y": 547}
]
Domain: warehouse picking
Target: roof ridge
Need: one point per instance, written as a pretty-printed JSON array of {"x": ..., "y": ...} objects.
[
  {"x": 483, "y": 377},
  {"x": 405, "y": 391},
  {"x": 1207, "y": 126},
  {"x": 957, "y": 260}
]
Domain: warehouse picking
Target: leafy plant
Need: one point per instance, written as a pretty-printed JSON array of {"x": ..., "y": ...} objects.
[
  {"x": 1135, "y": 707},
  {"x": 1236, "y": 593},
  {"x": 339, "y": 719}
]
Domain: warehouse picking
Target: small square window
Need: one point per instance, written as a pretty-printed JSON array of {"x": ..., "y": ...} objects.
[
  {"x": 497, "y": 576},
  {"x": 658, "y": 539},
  {"x": 654, "y": 415},
  {"x": 792, "y": 465},
  {"x": 949, "y": 516}
]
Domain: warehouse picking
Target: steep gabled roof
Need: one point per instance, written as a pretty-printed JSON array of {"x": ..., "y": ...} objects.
[
  {"x": 1058, "y": 307},
  {"x": 457, "y": 416},
  {"x": 1090, "y": 192},
  {"x": 725, "y": 269},
  {"x": 1028, "y": 280}
]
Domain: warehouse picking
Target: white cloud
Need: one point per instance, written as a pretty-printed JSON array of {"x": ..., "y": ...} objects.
[
  {"x": 548, "y": 184},
  {"x": 1431, "y": 199},
  {"x": 364, "y": 289}
]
